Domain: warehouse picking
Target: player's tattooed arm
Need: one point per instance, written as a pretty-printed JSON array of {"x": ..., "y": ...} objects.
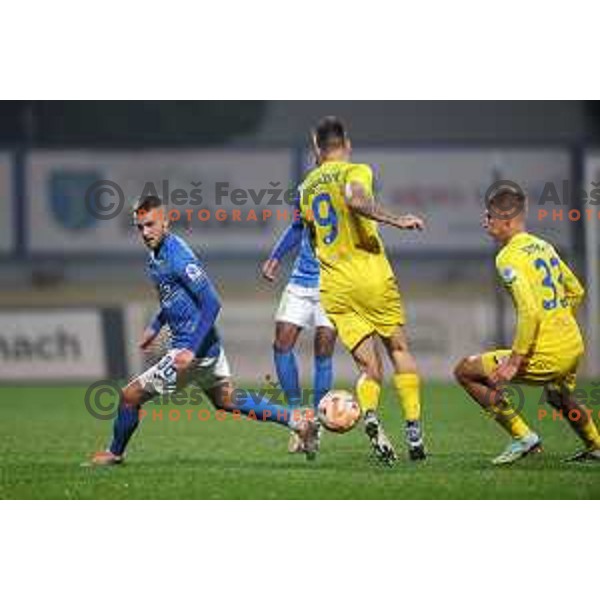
[{"x": 367, "y": 206}]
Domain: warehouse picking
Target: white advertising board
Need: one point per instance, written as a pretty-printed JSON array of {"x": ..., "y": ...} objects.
[
  {"x": 80, "y": 201},
  {"x": 46, "y": 345}
]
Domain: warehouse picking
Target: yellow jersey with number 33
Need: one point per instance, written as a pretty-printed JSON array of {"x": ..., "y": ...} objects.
[
  {"x": 348, "y": 246},
  {"x": 545, "y": 294}
]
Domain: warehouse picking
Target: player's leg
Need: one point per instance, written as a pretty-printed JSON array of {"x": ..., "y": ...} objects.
[
  {"x": 225, "y": 397},
  {"x": 324, "y": 345},
  {"x": 213, "y": 375},
  {"x": 472, "y": 374},
  {"x": 286, "y": 365},
  {"x": 127, "y": 417},
  {"x": 293, "y": 314},
  {"x": 149, "y": 384},
  {"x": 560, "y": 396},
  {"x": 407, "y": 385},
  {"x": 368, "y": 392}
]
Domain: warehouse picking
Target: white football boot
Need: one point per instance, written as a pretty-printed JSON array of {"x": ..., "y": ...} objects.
[
  {"x": 381, "y": 445},
  {"x": 517, "y": 449}
]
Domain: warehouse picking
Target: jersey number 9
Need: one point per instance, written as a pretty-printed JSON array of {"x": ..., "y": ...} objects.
[{"x": 330, "y": 219}]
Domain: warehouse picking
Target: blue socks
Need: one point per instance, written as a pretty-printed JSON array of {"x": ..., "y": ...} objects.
[
  {"x": 125, "y": 424},
  {"x": 257, "y": 407},
  {"x": 287, "y": 373},
  {"x": 323, "y": 377},
  {"x": 246, "y": 402}
]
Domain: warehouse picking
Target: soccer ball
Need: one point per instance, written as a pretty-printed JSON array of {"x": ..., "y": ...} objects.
[{"x": 338, "y": 411}]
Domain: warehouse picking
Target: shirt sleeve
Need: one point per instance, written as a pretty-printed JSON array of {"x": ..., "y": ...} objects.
[
  {"x": 291, "y": 236},
  {"x": 574, "y": 291},
  {"x": 525, "y": 305},
  {"x": 195, "y": 279},
  {"x": 158, "y": 320},
  {"x": 363, "y": 175}
]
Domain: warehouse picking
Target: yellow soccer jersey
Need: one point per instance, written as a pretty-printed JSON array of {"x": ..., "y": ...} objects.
[
  {"x": 545, "y": 294},
  {"x": 348, "y": 246}
]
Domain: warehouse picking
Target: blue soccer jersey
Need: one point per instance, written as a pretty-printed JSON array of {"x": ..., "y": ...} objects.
[
  {"x": 189, "y": 303},
  {"x": 306, "y": 268}
]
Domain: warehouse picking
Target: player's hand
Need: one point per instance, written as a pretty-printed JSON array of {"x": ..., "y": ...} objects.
[
  {"x": 270, "y": 268},
  {"x": 183, "y": 359},
  {"x": 507, "y": 370},
  {"x": 148, "y": 337},
  {"x": 411, "y": 222}
]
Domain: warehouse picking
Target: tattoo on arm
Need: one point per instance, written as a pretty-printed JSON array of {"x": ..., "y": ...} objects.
[
  {"x": 372, "y": 209},
  {"x": 367, "y": 206}
]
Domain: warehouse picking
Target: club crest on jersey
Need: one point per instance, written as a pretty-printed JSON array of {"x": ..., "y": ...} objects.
[
  {"x": 509, "y": 275},
  {"x": 194, "y": 272}
]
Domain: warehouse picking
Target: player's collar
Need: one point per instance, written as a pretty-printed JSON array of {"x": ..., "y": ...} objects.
[{"x": 516, "y": 237}]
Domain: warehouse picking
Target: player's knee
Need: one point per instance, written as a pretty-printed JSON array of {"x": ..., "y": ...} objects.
[
  {"x": 324, "y": 346},
  {"x": 221, "y": 403},
  {"x": 131, "y": 396},
  {"x": 462, "y": 369},
  {"x": 137, "y": 391},
  {"x": 286, "y": 335},
  {"x": 399, "y": 347},
  {"x": 374, "y": 372}
]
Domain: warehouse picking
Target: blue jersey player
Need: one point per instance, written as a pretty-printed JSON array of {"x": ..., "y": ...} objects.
[
  {"x": 189, "y": 305},
  {"x": 300, "y": 308}
]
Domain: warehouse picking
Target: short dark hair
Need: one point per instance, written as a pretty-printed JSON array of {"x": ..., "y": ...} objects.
[
  {"x": 330, "y": 133},
  {"x": 507, "y": 198},
  {"x": 146, "y": 204}
]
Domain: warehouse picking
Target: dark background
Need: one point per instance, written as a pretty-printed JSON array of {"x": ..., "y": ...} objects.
[{"x": 160, "y": 123}]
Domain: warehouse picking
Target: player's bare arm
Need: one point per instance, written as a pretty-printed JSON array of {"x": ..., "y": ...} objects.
[
  {"x": 508, "y": 369},
  {"x": 367, "y": 206},
  {"x": 148, "y": 336},
  {"x": 270, "y": 268}
]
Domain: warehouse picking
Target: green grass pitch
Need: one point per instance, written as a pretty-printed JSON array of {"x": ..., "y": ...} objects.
[{"x": 46, "y": 433}]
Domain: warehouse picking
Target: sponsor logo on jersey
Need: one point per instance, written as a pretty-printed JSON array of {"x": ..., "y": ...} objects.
[{"x": 194, "y": 272}]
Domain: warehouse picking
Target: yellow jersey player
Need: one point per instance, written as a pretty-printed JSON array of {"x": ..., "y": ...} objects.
[
  {"x": 358, "y": 287},
  {"x": 547, "y": 345}
]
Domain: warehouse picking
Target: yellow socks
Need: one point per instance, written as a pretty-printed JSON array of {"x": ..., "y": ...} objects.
[
  {"x": 408, "y": 389},
  {"x": 590, "y": 434},
  {"x": 367, "y": 393},
  {"x": 510, "y": 420}
]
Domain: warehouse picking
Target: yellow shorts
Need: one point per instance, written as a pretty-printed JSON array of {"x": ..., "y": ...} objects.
[
  {"x": 371, "y": 308},
  {"x": 555, "y": 369}
]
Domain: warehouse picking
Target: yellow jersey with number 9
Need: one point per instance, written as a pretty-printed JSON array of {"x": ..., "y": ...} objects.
[{"x": 348, "y": 246}]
